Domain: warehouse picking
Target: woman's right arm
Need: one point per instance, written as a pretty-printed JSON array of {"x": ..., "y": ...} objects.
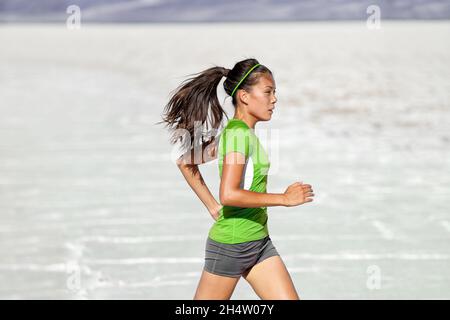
[{"x": 232, "y": 195}]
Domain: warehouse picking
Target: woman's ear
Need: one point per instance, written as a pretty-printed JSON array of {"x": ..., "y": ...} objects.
[{"x": 243, "y": 96}]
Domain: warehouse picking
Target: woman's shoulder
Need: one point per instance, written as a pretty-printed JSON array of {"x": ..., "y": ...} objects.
[{"x": 235, "y": 129}]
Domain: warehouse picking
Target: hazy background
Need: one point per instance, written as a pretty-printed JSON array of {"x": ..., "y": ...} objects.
[
  {"x": 220, "y": 10},
  {"x": 91, "y": 205}
]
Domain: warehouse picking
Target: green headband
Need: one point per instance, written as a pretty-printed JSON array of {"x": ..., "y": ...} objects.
[{"x": 243, "y": 78}]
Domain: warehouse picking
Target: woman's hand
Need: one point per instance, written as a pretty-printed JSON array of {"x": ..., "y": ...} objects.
[
  {"x": 298, "y": 193},
  {"x": 215, "y": 212}
]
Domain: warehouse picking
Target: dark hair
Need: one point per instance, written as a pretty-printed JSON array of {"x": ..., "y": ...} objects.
[{"x": 196, "y": 98}]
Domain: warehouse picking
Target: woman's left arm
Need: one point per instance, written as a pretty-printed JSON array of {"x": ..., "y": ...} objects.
[
  {"x": 195, "y": 180},
  {"x": 200, "y": 188}
]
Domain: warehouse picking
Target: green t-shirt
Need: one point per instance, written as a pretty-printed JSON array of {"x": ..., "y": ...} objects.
[{"x": 236, "y": 224}]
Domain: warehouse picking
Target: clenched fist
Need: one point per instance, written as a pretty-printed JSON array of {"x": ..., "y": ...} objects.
[{"x": 298, "y": 193}]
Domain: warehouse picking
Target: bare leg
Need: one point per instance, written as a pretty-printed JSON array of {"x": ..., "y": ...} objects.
[
  {"x": 215, "y": 287},
  {"x": 271, "y": 280}
]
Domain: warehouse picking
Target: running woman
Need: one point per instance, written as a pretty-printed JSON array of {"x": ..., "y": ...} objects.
[{"x": 238, "y": 243}]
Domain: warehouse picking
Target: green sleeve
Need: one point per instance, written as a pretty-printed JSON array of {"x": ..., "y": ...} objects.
[{"x": 237, "y": 139}]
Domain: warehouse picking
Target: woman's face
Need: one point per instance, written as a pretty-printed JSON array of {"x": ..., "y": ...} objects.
[{"x": 261, "y": 100}]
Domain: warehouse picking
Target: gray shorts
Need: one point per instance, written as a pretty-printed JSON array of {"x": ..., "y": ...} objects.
[{"x": 232, "y": 260}]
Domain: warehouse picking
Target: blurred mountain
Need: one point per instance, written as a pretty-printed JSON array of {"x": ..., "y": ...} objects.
[{"x": 219, "y": 10}]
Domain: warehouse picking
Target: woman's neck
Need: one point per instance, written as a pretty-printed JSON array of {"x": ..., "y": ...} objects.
[{"x": 248, "y": 119}]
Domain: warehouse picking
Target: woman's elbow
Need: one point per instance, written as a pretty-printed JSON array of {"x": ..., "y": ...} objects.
[
  {"x": 227, "y": 198},
  {"x": 223, "y": 199}
]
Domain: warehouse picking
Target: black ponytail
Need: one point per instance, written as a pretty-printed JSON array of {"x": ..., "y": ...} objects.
[{"x": 192, "y": 102}]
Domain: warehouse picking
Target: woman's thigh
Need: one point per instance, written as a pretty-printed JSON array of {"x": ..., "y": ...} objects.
[
  {"x": 215, "y": 287},
  {"x": 271, "y": 280}
]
